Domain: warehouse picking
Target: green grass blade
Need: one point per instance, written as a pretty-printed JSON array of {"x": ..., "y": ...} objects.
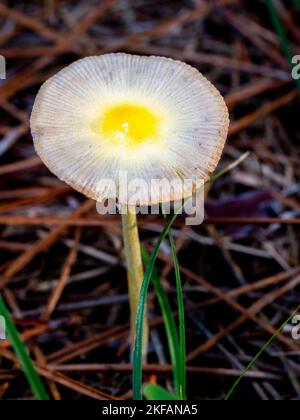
[
  {"x": 156, "y": 392},
  {"x": 169, "y": 321},
  {"x": 34, "y": 380},
  {"x": 137, "y": 372},
  {"x": 282, "y": 34},
  {"x": 137, "y": 351},
  {"x": 182, "y": 339},
  {"x": 297, "y": 4},
  {"x": 261, "y": 351}
]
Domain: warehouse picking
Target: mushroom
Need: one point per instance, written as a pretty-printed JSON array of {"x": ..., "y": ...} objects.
[{"x": 146, "y": 117}]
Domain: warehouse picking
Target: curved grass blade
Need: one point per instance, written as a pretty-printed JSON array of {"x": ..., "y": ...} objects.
[
  {"x": 182, "y": 339},
  {"x": 297, "y": 4},
  {"x": 169, "y": 321},
  {"x": 137, "y": 351},
  {"x": 137, "y": 373},
  {"x": 33, "y": 378},
  {"x": 281, "y": 32},
  {"x": 261, "y": 351},
  {"x": 156, "y": 392}
]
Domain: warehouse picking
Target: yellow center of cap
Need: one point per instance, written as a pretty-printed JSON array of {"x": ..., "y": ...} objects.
[{"x": 131, "y": 124}]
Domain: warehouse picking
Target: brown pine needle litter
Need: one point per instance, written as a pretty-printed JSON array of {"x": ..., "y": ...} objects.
[{"x": 62, "y": 266}]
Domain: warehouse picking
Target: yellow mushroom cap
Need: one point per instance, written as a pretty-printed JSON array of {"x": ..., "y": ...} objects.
[{"x": 148, "y": 117}]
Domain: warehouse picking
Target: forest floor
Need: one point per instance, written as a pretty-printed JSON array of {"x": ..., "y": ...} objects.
[{"x": 61, "y": 265}]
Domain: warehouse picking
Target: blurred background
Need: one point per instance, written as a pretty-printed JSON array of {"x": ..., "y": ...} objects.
[{"x": 61, "y": 265}]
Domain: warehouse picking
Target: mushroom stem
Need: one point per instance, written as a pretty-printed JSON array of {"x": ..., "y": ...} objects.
[{"x": 134, "y": 262}]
